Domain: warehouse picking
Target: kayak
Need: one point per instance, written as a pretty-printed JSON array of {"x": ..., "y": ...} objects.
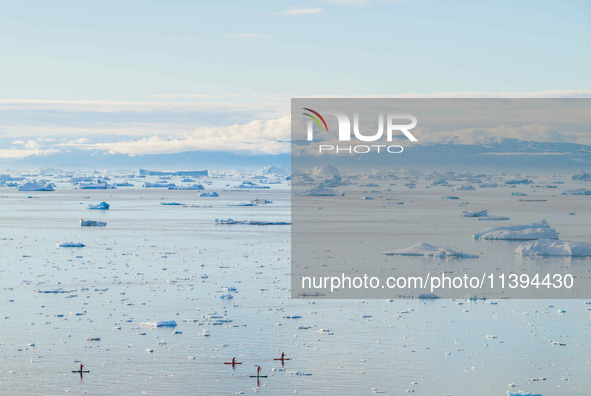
[
  {"x": 232, "y": 363},
  {"x": 258, "y": 376},
  {"x": 80, "y": 371},
  {"x": 282, "y": 359}
]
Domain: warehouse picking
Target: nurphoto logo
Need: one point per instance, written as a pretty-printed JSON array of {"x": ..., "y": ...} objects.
[{"x": 392, "y": 125}]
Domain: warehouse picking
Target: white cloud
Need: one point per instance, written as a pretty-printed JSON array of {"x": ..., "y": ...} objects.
[
  {"x": 248, "y": 35},
  {"x": 32, "y": 145},
  {"x": 301, "y": 11},
  {"x": 19, "y": 154},
  {"x": 255, "y": 137}
]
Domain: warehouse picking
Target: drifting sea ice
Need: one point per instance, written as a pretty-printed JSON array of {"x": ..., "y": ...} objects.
[
  {"x": 92, "y": 223},
  {"x": 32, "y": 186},
  {"x": 426, "y": 249},
  {"x": 578, "y": 191},
  {"x": 548, "y": 247},
  {"x": 160, "y": 323},
  {"x": 493, "y": 217},
  {"x": 477, "y": 213},
  {"x": 538, "y": 230},
  {"x": 70, "y": 244},
  {"x": 210, "y": 194}
]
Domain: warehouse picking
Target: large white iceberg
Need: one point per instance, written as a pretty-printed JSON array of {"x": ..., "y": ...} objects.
[
  {"x": 548, "y": 247},
  {"x": 92, "y": 223},
  {"x": 32, "y": 186},
  {"x": 426, "y": 249},
  {"x": 538, "y": 230}
]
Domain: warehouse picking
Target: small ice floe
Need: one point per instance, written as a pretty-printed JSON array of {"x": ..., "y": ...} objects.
[
  {"x": 259, "y": 201},
  {"x": 101, "y": 206},
  {"x": 466, "y": 187},
  {"x": 477, "y": 213},
  {"x": 292, "y": 317},
  {"x": 93, "y": 338},
  {"x": 70, "y": 244},
  {"x": 158, "y": 185},
  {"x": 426, "y": 249},
  {"x": 537, "y": 379},
  {"x": 298, "y": 373},
  {"x": 251, "y": 222},
  {"x": 428, "y": 296},
  {"x": 209, "y": 194},
  {"x": 205, "y": 333},
  {"x": 171, "y": 204},
  {"x": 227, "y": 296},
  {"x": 150, "y": 350},
  {"x": 538, "y": 230},
  {"x": 367, "y": 198},
  {"x": 32, "y": 186},
  {"x": 92, "y": 223},
  {"x": 522, "y": 393},
  {"x": 325, "y": 332},
  {"x": 493, "y": 218},
  {"x": 160, "y": 323},
  {"x": 548, "y": 247},
  {"x": 577, "y": 191},
  {"x": 519, "y": 194},
  {"x": 55, "y": 291}
]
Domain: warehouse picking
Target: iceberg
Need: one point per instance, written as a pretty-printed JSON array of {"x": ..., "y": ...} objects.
[
  {"x": 538, "y": 230},
  {"x": 102, "y": 206},
  {"x": 493, "y": 217},
  {"x": 192, "y": 187},
  {"x": 70, "y": 244},
  {"x": 251, "y": 222},
  {"x": 92, "y": 223},
  {"x": 578, "y": 191},
  {"x": 55, "y": 291},
  {"x": 319, "y": 192},
  {"x": 158, "y": 185},
  {"x": 210, "y": 194},
  {"x": 32, "y": 186},
  {"x": 94, "y": 186},
  {"x": 549, "y": 247},
  {"x": 467, "y": 187},
  {"x": 160, "y": 323},
  {"x": 582, "y": 176},
  {"x": 477, "y": 213},
  {"x": 426, "y": 249}
]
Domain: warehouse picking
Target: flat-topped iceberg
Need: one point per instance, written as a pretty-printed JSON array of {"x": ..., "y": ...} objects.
[
  {"x": 191, "y": 187},
  {"x": 160, "y": 323},
  {"x": 32, "y": 186},
  {"x": 70, "y": 244},
  {"x": 538, "y": 230},
  {"x": 59, "y": 290},
  {"x": 101, "y": 206},
  {"x": 549, "y": 247},
  {"x": 319, "y": 192},
  {"x": 92, "y": 223},
  {"x": 493, "y": 217},
  {"x": 577, "y": 191},
  {"x": 426, "y": 249}
]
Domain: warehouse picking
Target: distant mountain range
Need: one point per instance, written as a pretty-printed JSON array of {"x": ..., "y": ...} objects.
[{"x": 507, "y": 154}]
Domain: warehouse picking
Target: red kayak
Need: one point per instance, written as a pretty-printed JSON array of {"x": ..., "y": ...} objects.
[
  {"x": 282, "y": 359},
  {"x": 232, "y": 363}
]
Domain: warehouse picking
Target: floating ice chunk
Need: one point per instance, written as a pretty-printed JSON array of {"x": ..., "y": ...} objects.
[
  {"x": 466, "y": 188},
  {"x": 92, "y": 223},
  {"x": 32, "y": 186},
  {"x": 192, "y": 187},
  {"x": 250, "y": 222},
  {"x": 577, "y": 191},
  {"x": 319, "y": 192},
  {"x": 70, "y": 244},
  {"x": 160, "y": 323},
  {"x": 227, "y": 296},
  {"x": 210, "y": 194},
  {"x": 450, "y": 197},
  {"x": 93, "y": 338},
  {"x": 522, "y": 393},
  {"x": 56, "y": 291},
  {"x": 493, "y": 218},
  {"x": 426, "y": 249},
  {"x": 548, "y": 247},
  {"x": 477, "y": 213},
  {"x": 582, "y": 176},
  {"x": 158, "y": 185},
  {"x": 538, "y": 230},
  {"x": 519, "y": 194},
  {"x": 325, "y": 331},
  {"x": 101, "y": 206}
]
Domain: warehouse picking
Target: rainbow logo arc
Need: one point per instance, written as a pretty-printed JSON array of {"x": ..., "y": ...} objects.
[{"x": 316, "y": 117}]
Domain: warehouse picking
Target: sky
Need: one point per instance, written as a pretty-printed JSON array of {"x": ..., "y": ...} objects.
[{"x": 148, "y": 76}]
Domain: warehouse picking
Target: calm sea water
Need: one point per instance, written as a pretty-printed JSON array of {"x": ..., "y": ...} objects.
[{"x": 153, "y": 262}]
